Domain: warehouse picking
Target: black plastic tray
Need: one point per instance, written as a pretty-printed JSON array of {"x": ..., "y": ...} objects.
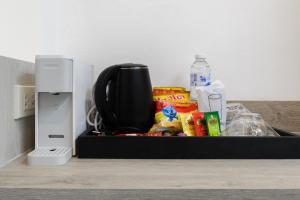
[{"x": 287, "y": 146}]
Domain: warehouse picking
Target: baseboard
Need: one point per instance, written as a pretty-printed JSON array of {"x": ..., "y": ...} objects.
[{"x": 16, "y": 157}]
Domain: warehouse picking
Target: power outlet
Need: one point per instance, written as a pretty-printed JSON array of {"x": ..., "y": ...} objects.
[{"x": 24, "y": 101}]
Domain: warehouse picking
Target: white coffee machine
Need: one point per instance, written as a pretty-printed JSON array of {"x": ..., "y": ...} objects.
[{"x": 63, "y": 90}]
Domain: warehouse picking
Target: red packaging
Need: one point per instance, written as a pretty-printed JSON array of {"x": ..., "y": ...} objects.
[
  {"x": 200, "y": 125},
  {"x": 156, "y": 134},
  {"x": 179, "y": 107}
]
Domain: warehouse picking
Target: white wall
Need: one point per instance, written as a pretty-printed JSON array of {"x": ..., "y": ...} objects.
[
  {"x": 253, "y": 46},
  {"x": 27, "y": 28},
  {"x": 16, "y": 136},
  {"x": 20, "y": 28}
]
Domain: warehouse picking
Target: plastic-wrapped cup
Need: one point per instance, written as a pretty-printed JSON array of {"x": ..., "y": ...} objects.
[
  {"x": 249, "y": 124},
  {"x": 234, "y": 109}
]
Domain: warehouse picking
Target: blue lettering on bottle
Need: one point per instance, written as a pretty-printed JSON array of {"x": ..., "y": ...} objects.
[
  {"x": 204, "y": 80},
  {"x": 193, "y": 79}
]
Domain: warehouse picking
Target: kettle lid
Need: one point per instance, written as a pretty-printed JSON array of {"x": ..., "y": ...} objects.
[{"x": 132, "y": 66}]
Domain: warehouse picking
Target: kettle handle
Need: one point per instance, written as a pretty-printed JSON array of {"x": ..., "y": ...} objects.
[{"x": 100, "y": 96}]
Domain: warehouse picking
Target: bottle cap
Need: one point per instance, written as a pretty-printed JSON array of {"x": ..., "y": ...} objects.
[{"x": 200, "y": 56}]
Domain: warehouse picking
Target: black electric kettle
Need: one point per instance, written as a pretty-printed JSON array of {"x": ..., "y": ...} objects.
[{"x": 123, "y": 97}]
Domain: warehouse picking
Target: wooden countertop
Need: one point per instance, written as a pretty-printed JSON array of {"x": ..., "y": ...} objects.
[
  {"x": 95, "y": 178},
  {"x": 154, "y": 174},
  {"x": 280, "y": 114}
]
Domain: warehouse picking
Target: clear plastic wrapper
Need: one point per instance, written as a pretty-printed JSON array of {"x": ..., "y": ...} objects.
[
  {"x": 249, "y": 124},
  {"x": 233, "y": 110}
]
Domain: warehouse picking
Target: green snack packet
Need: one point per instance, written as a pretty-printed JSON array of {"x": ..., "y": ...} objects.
[{"x": 213, "y": 123}]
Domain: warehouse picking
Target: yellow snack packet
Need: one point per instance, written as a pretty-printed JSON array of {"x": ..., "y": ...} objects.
[
  {"x": 169, "y": 114},
  {"x": 170, "y": 88},
  {"x": 175, "y": 97},
  {"x": 187, "y": 124},
  {"x": 165, "y": 122}
]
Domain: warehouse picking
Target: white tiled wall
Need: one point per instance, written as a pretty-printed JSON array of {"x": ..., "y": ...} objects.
[{"x": 16, "y": 136}]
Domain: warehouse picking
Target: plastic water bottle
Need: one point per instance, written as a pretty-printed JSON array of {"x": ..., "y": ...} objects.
[{"x": 200, "y": 74}]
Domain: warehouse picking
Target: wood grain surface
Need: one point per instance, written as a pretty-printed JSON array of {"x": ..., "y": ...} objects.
[
  {"x": 280, "y": 114},
  {"x": 154, "y": 174},
  {"x": 163, "y": 179},
  {"x": 162, "y": 194}
]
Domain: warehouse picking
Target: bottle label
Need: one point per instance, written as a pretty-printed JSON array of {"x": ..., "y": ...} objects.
[
  {"x": 199, "y": 79},
  {"x": 193, "y": 79},
  {"x": 204, "y": 80}
]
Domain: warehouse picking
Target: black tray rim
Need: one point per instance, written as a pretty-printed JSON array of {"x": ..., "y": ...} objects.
[
  {"x": 285, "y": 146},
  {"x": 282, "y": 134}
]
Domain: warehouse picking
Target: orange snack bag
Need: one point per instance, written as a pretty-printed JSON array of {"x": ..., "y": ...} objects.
[
  {"x": 172, "y": 96},
  {"x": 169, "y": 88}
]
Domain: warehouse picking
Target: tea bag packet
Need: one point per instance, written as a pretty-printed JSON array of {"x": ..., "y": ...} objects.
[
  {"x": 187, "y": 124},
  {"x": 213, "y": 123},
  {"x": 200, "y": 124}
]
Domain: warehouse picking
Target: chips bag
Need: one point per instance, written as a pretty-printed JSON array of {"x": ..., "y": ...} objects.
[
  {"x": 171, "y": 104},
  {"x": 168, "y": 113},
  {"x": 171, "y": 94},
  {"x": 176, "y": 96},
  {"x": 169, "y": 88}
]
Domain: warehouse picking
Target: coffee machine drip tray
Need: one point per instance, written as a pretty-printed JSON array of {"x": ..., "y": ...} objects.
[{"x": 50, "y": 156}]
